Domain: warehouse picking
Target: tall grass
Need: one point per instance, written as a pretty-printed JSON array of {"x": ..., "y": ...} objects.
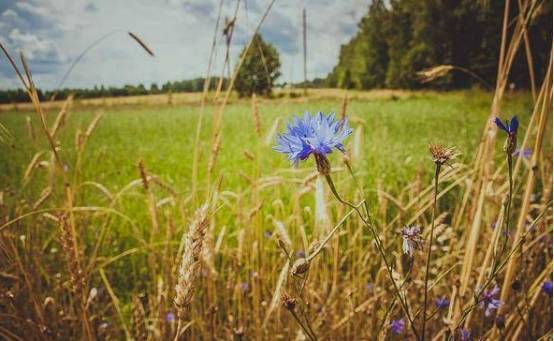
[{"x": 92, "y": 248}]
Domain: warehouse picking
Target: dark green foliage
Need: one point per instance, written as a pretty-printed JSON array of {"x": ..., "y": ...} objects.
[
  {"x": 396, "y": 40},
  {"x": 259, "y": 70},
  {"x": 189, "y": 85}
]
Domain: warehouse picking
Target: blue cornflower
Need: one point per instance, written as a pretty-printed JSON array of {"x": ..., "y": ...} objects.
[
  {"x": 397, "y": 326},
  {"x": 465, "y": 335},
  {"x": 510, "y": 127},
  {"x": 316, "y": 135},
  {"x": 442, "y": 302},
  {"x": 488, "y": 302},
  {"x": 547, "y": 288},
  {"x": 244, "y": 287}
]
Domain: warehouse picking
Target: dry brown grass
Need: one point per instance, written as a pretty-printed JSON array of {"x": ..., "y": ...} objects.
[{"x": 233, "y": 269}]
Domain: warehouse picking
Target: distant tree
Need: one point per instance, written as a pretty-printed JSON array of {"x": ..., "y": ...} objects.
[{"x": 259, "y": 70}]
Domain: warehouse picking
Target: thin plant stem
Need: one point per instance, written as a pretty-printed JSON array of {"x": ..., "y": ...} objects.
[
  {"x": 427, "y": 265},
  {"x": 306, "y": 331},
  {"x": 507, "y": 210},
  {"x": 366, "y": 221},
  {"x": 495, "y": 270}
]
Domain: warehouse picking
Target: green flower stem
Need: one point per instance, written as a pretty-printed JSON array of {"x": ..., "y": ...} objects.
[
  {"x": 367, "y": 222},
  {"x": 494, "y": 272},
  {"x": 427, "y": 265}
]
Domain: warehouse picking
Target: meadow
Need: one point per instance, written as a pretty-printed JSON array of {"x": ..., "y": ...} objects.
[
  {"x": 172, "y": 217},
  {"x": 395, "y": 129},
  {"x": 127, "y": 175}
]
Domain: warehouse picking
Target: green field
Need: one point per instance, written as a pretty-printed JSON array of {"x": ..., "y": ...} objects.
[
  {"x": 133, "y": 236},
  {"x": 395, "y": 136}
]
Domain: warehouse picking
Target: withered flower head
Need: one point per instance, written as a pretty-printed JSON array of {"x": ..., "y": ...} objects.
[
  {"x": 288, "y": 301},
  {"x": 411, "y": 239},
  {"x": 441, "y": 154}
]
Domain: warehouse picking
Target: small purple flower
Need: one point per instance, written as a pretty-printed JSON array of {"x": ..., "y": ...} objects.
[
  {"x": 465, "y": 335},
  {"x": 524, "y": 153},
  {"x": 510, "y": 127},
  {"x": 369, "y": 286},
  {"x": 268, "y": 234},
  {"x": 442, "y": 302},
  {"x": 170, "y": 317},
  {"x": 301, "y": 254},
  {"x": 244, "y": 287},
  {"x": 488, "y": 302},
  {"x": 547, "y": 288},
  {"x": 412, "y": 240},
  {"x": 317, "y": 135},
  {"x": 397, "y": 326}
]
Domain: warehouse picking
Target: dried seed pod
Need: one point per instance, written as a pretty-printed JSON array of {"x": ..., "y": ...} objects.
[{"x": 300, "y": 266}]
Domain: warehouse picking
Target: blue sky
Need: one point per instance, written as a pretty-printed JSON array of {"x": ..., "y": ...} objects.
[{"x": 52, "y": 33}]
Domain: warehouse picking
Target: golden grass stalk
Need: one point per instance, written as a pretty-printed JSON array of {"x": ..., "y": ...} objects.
[
  {"x": 216, "y": 138},
  {"x": 190, "y": 264},
  {"x": 436, "y": 72},
  {"x": 91, "y": 46},
  {"x": 344, "y": 106},
  {"x": 358, "y": 145},
  {"x": 30, "y": 129},
  {"x": 73, "y": 257},
  {"x": 506, "y": 58},
  {"x": 115, "y": 302},
  {"x": 62, "y": 116},
  {"x": 141, "y": 43},
  {"x": 282, "y": 233},
  {"x": 277, "y": 292},
  {"x": 207, "y": 80},
  {"x": 140, "y": 333},
  {"x": 256, "y": 116},
  {"x": 544, "y": 106},
  {"x": 270, "y": 135}
]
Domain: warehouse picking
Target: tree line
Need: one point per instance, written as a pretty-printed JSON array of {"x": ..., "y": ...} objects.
[
  {"x": 190, "y": 85},
  {"x": 396, "y": 40}
]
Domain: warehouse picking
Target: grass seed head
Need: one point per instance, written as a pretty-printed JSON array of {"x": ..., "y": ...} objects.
[{"x": 190, "y": 263}]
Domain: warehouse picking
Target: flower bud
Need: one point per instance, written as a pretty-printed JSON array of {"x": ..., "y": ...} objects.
[{"x": 300, "y": 266}]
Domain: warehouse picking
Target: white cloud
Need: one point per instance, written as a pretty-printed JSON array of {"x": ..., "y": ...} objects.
[
  {"x": 179, "y": 31},
  {"x": 34, "y": 47}
]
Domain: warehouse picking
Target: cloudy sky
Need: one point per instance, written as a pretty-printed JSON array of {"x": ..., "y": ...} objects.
[{"x": 52, "y": 33}]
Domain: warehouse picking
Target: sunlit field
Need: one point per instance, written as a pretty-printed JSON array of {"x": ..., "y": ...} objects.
[
  {"x": 394, "y": 131},
  {"x": 129, "y": 168},
  {"x": 344, "y": 170}
]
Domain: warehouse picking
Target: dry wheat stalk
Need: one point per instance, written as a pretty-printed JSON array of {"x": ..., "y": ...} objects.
[
  {"x": 190, "y": 262},
  {"x": 256, "y": 116},
  {"x": 68, "y": 243},
  {"x": 140, "y": 332}
]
